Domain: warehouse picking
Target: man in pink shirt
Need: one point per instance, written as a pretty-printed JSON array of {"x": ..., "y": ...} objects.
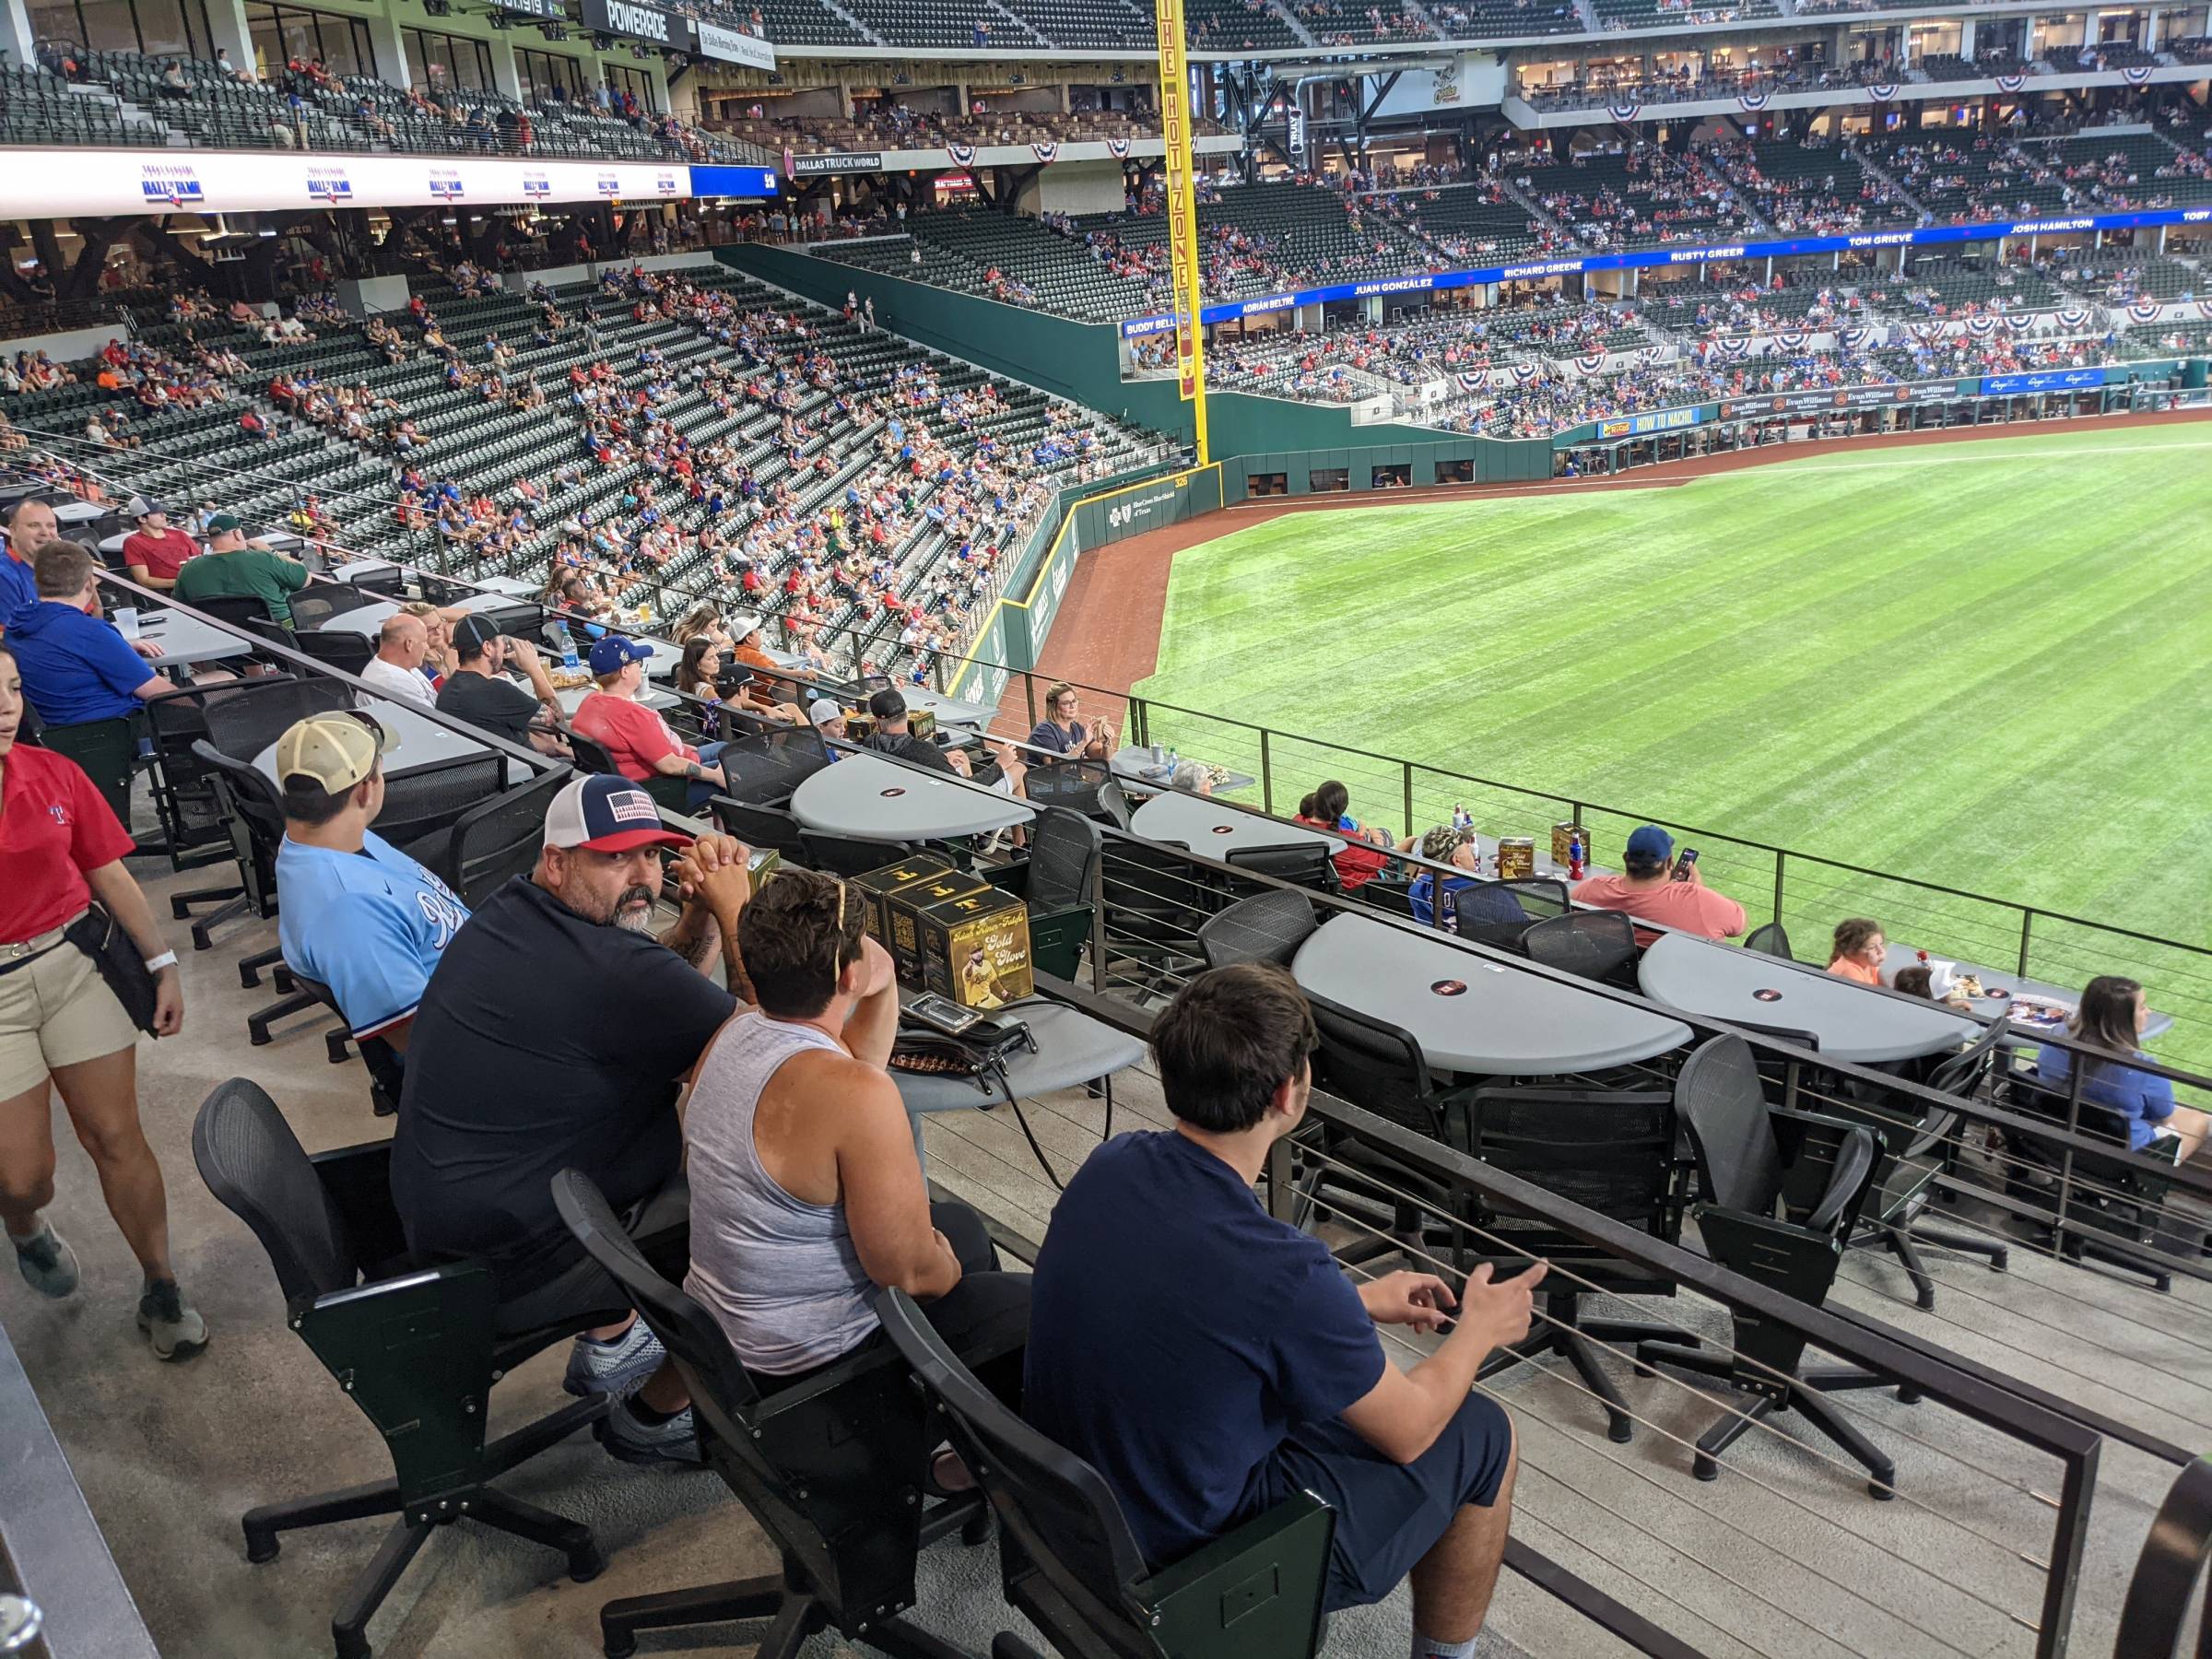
[{"x": 1650, "y": 892}]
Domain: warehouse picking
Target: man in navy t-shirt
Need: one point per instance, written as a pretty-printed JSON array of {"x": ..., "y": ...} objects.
[{"x": 1210, "y": 1362}]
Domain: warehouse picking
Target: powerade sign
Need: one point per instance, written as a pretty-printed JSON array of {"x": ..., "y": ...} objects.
[
  {"x": 2046, "y": 379},
  {"x": 638, "y": 22},
  {"x": 1792, "y": 247}
]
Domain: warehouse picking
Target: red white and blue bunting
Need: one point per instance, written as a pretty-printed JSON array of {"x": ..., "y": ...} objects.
[
  {"x": 1736, "y": 345},
  {"x": 2008, "y": 83},
  {"x": 1882, "y": 91},
  {"x": 963, "y": 155},
  {"x": 2147, "y": 311},
  {"x": 1978, "y": 326},
  {"x": 2204, "y": 308},
  {"x": 2136, "y": 75},
  {"x": 1793, "y": 339},
  {"x": 1624, "y": 111},
  {"x": 1854, "y": 337},
  {"x": 1524, "y": 372},
  {"x": 2073, "y": 317},
  {"x": 1590, "y": 362},
  {"x": 1651, "y": 353},
  {"x": 1754, "y": 100},
  {"x": 1047, "y": 153},
  {"x": 1473, "y": 379},
  {"x": 1118, "y": 149}
]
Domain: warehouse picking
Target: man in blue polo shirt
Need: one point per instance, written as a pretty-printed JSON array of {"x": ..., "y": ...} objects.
[
  {"x": 353, "y": 912},
  {"x": 76, "y": 667},
  {"x": 1210, "y": 1361},
  {"x": 30, "y": 525}
]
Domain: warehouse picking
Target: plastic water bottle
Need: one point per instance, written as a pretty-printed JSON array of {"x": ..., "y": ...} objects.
[
  {"x": 567, "y": 649},
  {"x": 1174, "y": 760}
]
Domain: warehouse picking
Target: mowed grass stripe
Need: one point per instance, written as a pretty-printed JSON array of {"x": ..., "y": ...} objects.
[{"x": 1988, "y": 664}]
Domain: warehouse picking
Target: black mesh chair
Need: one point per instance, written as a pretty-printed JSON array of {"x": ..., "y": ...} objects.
[
  {"x": 671, "y": 794},
  {"x": 757, "y": 825},
  {"x": 238, "y": 609},
  {"x": 1059, "y": 882},
  {"x": 500, "y": 837},
  {"x": 833, "y": 1470},
  {"x": 255, "y": 812},
  {"x": 270, "y": 629},
  {"x": 107, "y": 751},
  {"x": 1768, "y": 939},
  {"x": 413, "y": 1348},
  {"x": 1308, "y": 867},
  {"x": 1073, "y": 785},
  {"x": 1395, "y": 897},
  {"x": 1595, "y": 945},
  {"x": 763, "y": 770},
  {"x": 1541, "y": 897},
  {"x": 591, "y": 756},
  {"x": 1919, "y": 1143},
  {"x": 383, "y": 1061},
  {"x": 1069, "y": 1561},
  {"x": 343, "y": 650},
  {"x": 422, "y": 804},
  {"x": 1267, "y": 927},
  {"x": 1155, "y": 901},
  {"x": 1754, "y": 1159},
  {"x": 1609, "y": 1150},
  {"x": 318, "y": 602},
  {"x": 2122, "y": 1197},
  {"x": 1113, "y": 805},
  {"x": 192, "y": 820},
  {"x": 1490, "y": 913},
  {"x": 845, "y": 855},
  {"x": 1379, "y": 1068}
]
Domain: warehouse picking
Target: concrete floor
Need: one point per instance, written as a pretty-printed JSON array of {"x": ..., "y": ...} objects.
[{"x": 1786, "y": 1554}]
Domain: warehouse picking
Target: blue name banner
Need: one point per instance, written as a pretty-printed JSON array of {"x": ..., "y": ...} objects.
[
  {"x": 1438, "y": 281},
  {"x": 2046, "y": 379},
  {"x": 733, "y": 181}
]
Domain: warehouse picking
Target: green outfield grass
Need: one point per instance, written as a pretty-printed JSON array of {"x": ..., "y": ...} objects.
[{"x": 1985, "y": 665}]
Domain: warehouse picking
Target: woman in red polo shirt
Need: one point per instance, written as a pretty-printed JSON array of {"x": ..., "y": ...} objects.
[{"x": 61, "y": 1028}]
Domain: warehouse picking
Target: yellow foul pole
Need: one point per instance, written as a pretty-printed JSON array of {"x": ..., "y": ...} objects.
[{"x": 1182, "y": 213}]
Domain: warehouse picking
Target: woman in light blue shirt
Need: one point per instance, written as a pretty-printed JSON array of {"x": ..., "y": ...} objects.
[{"x": 2112, "y": 1015}]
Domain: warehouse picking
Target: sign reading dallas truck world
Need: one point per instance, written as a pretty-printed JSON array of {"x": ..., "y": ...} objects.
[{"x": 1932, "y": 236}]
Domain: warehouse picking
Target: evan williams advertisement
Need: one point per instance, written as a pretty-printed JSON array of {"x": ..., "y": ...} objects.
[{"x": 1839, "y": 397}]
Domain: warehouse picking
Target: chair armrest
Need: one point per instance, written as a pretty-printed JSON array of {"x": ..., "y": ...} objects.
[
  {"x": 1009, "y": 877},
  {"x": 358, "y": 1181},
  {"x": 1254, "y": 1592},
  {"x": 1849, "y": 1169}
]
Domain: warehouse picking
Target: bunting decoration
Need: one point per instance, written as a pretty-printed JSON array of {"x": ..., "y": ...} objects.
[
  {"x": 1651, "y": 353},
  {"x": 1046, "y": 153},
  {"x": 1736, "y": 345},
  {"x": 1793, "y": 339},
  {"x": 1118, "y": 149},
  {"x": 1471, "y": 380},
  {"x": 1755, "y": 99},
  {"x": 1624, "y": 111},
  {"x": 1853, "y": 338},
  {"x": 1590, "y": 362},
  {"x": 2008, "y": 83},
  {"x": 2204, "y": 308},
  {"x": 963, "y": 155},
  {"x": 2147, "y": 311},
  {"x": 2137, "y": 75},
  {"x": 1524, "y": 372},
  {"x": 1977, "y": 326},
  {"x": 2073, "y": 317},
  {"x": 1883, "y": 91}
]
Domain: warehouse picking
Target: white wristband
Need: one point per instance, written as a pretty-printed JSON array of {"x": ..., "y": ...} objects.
[{"x": 168, "y": 959}]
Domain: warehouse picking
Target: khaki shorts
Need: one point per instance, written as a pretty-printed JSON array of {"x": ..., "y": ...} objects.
[{"x": 56, "y": 1011}]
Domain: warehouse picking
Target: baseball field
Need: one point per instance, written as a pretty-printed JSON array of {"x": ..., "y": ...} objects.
[{"x": 1986, "y": 666}]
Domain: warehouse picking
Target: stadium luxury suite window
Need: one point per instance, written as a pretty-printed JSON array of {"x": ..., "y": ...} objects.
[
  {"x": 444, "y": 60},
  {"x": 542, "y": 71},
  {"x": 283, "y": 33},
  {"x": 148, "y": 26}
]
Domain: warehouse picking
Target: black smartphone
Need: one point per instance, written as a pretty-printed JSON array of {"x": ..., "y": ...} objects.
[{"x": 1683, "y": 860}]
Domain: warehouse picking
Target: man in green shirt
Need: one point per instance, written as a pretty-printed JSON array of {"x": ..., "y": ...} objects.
[{"x": 234, "y": 567}]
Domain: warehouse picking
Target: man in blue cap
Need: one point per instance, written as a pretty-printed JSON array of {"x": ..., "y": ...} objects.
[
  {"x": 1653, "y": 891},
  {"x": 635, "y": 737}
]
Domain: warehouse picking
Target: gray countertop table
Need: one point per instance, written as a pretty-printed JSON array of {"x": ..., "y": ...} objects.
[
  {"x": 1854, "y": 1022},
  {"x": 1071, "y": 1049},
  {"x": 186, "y": 639},
  {"x": 366, "y": 618},
  {"x": 422, "y": 742},
  {"x": 870, "y": 797},
  {"x": 1215, "y": 828},
  {"x": 2012, "y": 985},
  {"x": 1470, "y": 1013},
  {"x": 1135, "y": 762}
]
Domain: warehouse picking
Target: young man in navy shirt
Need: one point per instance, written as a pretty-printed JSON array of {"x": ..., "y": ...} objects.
[
  {"x": 76, "y": 667},
  {"x": 1210, "y": 1361}
]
